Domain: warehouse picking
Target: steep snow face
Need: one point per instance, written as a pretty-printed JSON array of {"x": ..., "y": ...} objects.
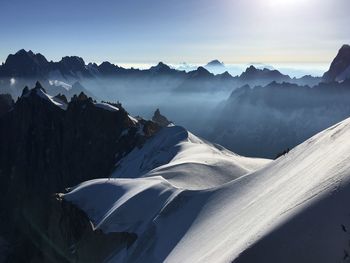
[
  {"x": 295, "y": 209},
  {"x": 186, "y": 161}
]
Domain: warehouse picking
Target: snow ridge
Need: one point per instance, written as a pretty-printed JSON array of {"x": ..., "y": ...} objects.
[{"x": 293, "y": 209}]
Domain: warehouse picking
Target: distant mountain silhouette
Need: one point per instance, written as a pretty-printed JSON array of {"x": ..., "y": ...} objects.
[
  {"x": 162, "y": 68},
  {"x": 340, "y": 67},
  {"x": 215, "y": 63},
  {"x": 215, "y": 66},
  {"x": 263, "y": 76},
  {"x": 269, "y": 119},
  {"x": 26, "y": 67},
  {"x": 25, "y": 64}
]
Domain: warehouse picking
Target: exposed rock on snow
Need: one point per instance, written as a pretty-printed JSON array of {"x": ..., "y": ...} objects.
[{"x": 160, "y": 119}]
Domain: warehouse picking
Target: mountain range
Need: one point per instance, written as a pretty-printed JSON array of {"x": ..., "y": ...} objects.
[
  {"x": 84, "y": 181},
  {"x": 26, "y": 67}
]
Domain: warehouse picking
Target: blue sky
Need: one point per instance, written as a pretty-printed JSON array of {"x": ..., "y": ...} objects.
[{"x": 175, "y": 31}]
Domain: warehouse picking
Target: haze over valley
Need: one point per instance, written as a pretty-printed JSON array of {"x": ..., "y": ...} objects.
[{"x": 175, "y": 131}]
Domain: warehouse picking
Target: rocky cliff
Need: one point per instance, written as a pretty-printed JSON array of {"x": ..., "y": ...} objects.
[{"x": 48, "y": 145}]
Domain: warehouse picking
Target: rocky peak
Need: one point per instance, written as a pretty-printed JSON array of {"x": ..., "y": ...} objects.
[
  {"x": 81, "y": 97},
  {"x": 73, "y": 63},
  {"x": 226, "y": 75},
  {"x": 340, "y": 67},
  {"x": 45, "y": 149},
  {"x": 252, "y": 73},
  {"x": 25, "y": 64},
  {"x": 160, "y": 119},
  {"x": 107, "y": 68},
  {"x": 160, "y": 68},
  {"x": 200, "y": 72}
]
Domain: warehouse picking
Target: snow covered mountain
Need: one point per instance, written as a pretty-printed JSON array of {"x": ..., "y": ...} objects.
[
  {"x": 185, "y": 161},
  {"x": 275, "y": 214}
]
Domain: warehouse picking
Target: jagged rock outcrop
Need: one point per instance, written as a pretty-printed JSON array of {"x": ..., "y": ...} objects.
[
  {"x": 46, "y": 146},
  {"x": 160, "y": 119}
]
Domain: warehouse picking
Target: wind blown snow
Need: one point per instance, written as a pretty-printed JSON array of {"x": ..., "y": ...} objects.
[{"x": 294, "y": 209}]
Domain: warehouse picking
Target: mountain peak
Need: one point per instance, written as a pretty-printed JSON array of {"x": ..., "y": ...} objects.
[
  {"x": 160, "y": 119},
  {"x": 340, "y": 67},
  {"x": 226, "y": 75},
  {"x": 73, "y": 61},
  {"x": 251, "y": 68},
  {"x": 215, "y": 63},
  {"x": 345, "y": 47},
  {"x": 200, "y": 72},
  {"x": 24, "y": 52},
  {"x": 25, "y": 64},
  {"x": 160, "y": 67},
  {"x": 38, "y": 86}
]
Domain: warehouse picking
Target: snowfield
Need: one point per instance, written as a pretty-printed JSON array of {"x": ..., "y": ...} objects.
[
  {"x": 186, "y": 161},
  {"x": 294, "y": 209}
]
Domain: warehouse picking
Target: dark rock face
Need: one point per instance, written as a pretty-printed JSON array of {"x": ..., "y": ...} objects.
[
  {"x": 28, "y": 65},
  {"x": 200, "y": 73},
  {"x": 72, "y": 65},
  {"x": 162, "y": 68},
  {"x": 253, "y": 74},
  {"x": 340, "y": 67},
  {"x": 6, "y": 103},
  {"x": 45, "y": 149},
  {"x": 160, "y": 119},
  {"x": 74, "y": 238},
  {"x": 265, "y": 121},
  {"x": 25, "y": 64}
]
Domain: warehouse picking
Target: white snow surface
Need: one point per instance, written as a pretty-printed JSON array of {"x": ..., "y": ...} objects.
[
  {"x": 106, "y": 106},
  {"x": 134, "y": 120},
  {"x": 186, "y": 161},
  {"x": 51, "y": 99},
  {"x": 294, "y": 209}
]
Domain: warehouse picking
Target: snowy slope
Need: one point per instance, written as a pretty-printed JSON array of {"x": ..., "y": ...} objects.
[
  {"x": 186, "y": 161},
  {"x": 293, "y": 210}
]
